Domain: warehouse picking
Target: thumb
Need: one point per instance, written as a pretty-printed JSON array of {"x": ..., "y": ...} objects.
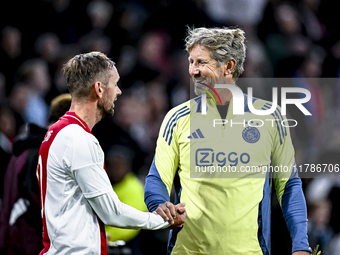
[{"x": 181, "y": 205}]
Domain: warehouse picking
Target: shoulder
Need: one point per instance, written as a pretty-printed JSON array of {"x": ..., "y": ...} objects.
[
  {"x": 264, "y": 105},
  {"x": 73, "y": 136},
  {"x": 72, "y": 132},
  {"x": 185, "y": 109},
  {"x": 259, "y": 103},
  {"x": 77, "y": 147},
  {"x": 180, "y": 115},
  {"x": 179, "y": 109}
]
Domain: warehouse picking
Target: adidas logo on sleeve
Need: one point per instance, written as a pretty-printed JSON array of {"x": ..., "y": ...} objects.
[{"x": 196, "y": 135}]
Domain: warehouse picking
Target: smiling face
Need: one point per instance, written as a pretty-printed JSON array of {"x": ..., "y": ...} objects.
[
  {"x": 203, "y": 68},
  {"x": 111, "y": 92}
]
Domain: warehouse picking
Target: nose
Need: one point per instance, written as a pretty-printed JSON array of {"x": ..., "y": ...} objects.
[
  {"x": 119, "y": 92},
  {"x": 194, "y": 70}
]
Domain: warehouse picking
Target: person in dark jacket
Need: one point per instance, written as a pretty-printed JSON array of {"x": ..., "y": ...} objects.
[{"x": 20, "y": 217}]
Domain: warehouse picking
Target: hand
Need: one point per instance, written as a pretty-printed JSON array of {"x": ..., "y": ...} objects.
[
  {"x": 181, "y": 214},
  {"x": 175, "y": 215},
  {"x": 301, "y": 253}
]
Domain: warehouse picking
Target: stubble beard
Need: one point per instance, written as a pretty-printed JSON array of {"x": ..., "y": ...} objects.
[{"x": 105, "y": 109}]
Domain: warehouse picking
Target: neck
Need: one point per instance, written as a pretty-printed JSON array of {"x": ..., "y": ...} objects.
[{"x": 87, "y": 111}]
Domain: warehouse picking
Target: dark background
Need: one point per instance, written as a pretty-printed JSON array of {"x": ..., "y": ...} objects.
[{"x": 291, "y": 39}]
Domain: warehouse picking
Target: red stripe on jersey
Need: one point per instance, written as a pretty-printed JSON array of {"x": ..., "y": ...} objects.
[
  {"x": 102, "y": 233},
  {"x": 67, "y": 119},
  {"x": 103, "y": 242}
]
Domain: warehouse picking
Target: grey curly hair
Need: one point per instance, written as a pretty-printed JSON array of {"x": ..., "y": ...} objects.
[{"x": 224, "y": 44}]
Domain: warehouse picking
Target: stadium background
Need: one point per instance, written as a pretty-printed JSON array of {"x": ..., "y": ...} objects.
[{"x": 146, "y": 40}]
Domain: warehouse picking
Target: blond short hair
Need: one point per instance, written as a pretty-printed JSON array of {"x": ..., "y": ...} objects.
[{"x": 82, "y": 70}]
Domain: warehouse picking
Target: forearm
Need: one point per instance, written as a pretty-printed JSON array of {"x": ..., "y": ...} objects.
[
  {"x": 96, "y": 187},
  {"x": 117, "y": 214},
  {"x": 295, "y": 213},
  {"x": 154, "y": 197},
  {"x": 155, "y": 192}
]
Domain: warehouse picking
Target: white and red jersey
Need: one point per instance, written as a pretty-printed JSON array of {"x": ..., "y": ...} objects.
[{"x": 76, "y": 194}]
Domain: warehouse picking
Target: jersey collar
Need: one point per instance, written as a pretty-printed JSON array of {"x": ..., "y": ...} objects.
[{"x": 74, "y": 116}]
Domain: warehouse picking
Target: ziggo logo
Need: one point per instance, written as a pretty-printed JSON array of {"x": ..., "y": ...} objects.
[{"x": 207, "y": 156}]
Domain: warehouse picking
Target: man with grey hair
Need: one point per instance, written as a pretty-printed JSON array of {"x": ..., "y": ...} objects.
[{"x": 227, "y": 213}]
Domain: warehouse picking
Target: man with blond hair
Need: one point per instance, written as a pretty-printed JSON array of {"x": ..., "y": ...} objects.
[
  {"x": 227, "y": 213},
  {"x": 77, "y": 198}
]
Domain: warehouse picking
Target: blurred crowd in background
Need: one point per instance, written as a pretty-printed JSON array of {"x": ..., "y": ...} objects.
[{"x": 285, "y": 39}]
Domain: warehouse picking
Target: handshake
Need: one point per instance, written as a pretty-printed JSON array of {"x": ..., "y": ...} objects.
[{"x": 174, "y": 214}]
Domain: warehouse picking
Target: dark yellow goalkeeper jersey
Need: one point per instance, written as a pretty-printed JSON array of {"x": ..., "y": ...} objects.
[{"x": 221, "y": 169}]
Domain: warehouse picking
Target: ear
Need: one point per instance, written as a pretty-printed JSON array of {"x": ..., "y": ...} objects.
[
  {"x": 229, "y": 67},
  {"x": 98, "y": 88}
]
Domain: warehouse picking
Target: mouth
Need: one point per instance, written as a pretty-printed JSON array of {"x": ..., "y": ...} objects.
[
  {"x": 200, "y": 82},
  {"x": 113, "y": 103}
]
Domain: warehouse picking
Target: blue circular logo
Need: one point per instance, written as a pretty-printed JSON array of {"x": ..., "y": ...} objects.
[{"x": 251, "y": 134}]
